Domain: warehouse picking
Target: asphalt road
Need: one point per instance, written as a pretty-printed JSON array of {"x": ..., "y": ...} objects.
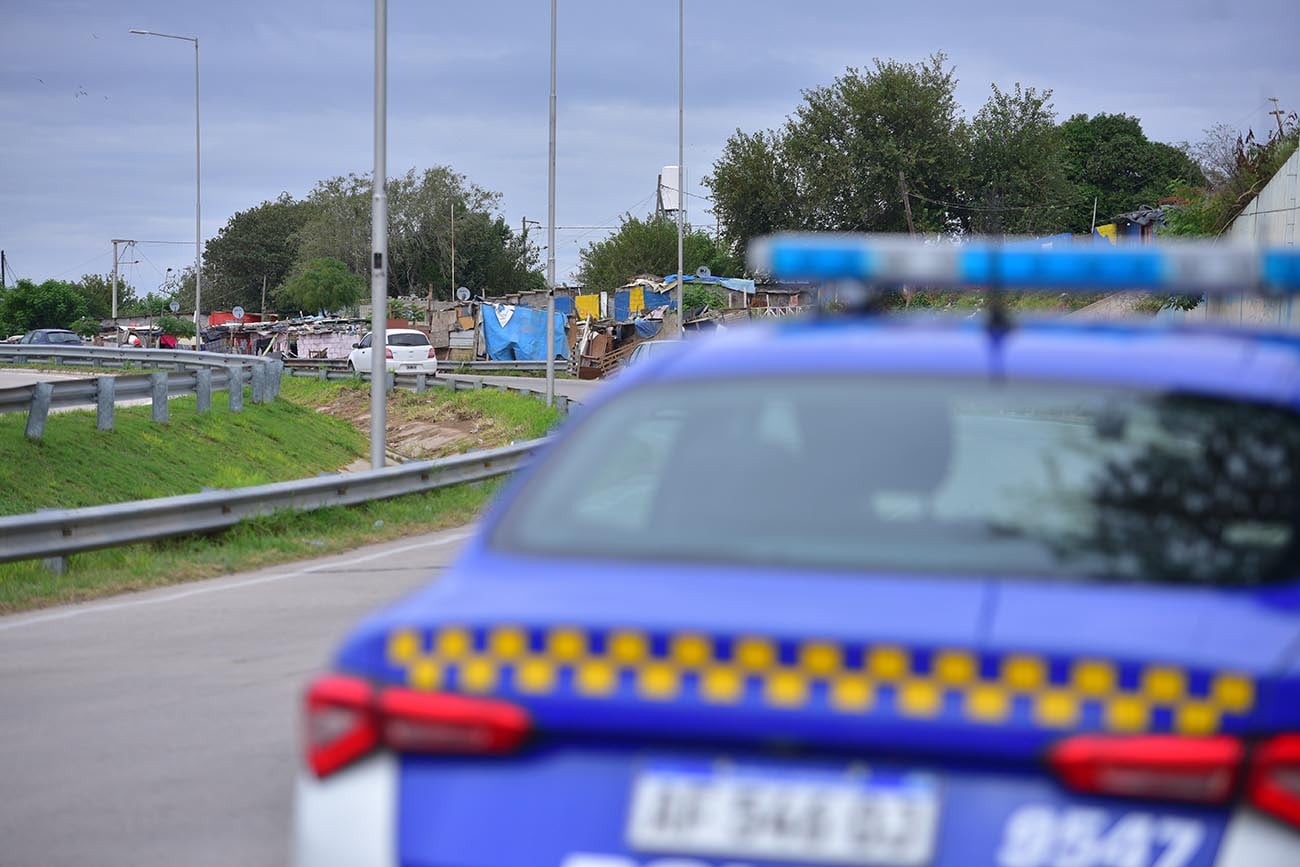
[
  {"x": 17, "y": 378},
  {"x": 159, "y": 728}
]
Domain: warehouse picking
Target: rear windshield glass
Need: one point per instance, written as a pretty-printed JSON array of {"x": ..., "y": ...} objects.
[
  {"x": 937, "y": 476},
  {"x": 62, "y": 337},
  {"x": 407, "y": 340}
]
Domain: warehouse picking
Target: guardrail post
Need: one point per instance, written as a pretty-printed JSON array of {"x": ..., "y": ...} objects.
[
  {"x": 421, "y": 382},
  {"x": 277, "y": 375},
  {"x": 562, "y": 404},
  {"x": 203, "y": 388},
  {"x": 57, "y": 565},
  {"x": 158, "y": 390},
  {"x": 235, "y": 387},
  {"x": 259, "y": 383},
  {"x": 323, "y": 374},
  {"x": 41, "y": 394},
  {"x": 105, "y": 397}
]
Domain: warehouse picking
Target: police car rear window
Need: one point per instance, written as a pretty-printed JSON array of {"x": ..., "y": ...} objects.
[{"x": 974, "y": 477}]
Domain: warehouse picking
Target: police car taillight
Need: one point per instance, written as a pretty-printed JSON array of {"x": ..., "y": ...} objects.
[
  {"x": 341, "y": 725},
  {"x": 1200, "y": 769},
  {"x": 348, "y": 718},
  {"x": 1274, "y": 781}
]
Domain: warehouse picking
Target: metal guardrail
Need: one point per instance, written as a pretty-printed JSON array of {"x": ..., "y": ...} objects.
[
  {"x": 197, "y": 373},
  {"x": 115, "y": 356},
  {"x": 420, "y": 382},
  {"x": 443, "y": 366},
  {"x": 56, "y": 533}
]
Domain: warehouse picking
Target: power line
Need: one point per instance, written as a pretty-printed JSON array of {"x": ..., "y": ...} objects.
[
  {"x": 178, "y": 243},
  {"x": 983, "y": 208},
  {"x": 78, "y": 267}
]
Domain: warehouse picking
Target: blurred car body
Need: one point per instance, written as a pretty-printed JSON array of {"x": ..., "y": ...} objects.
[
  {"x": 52, "y": 337},
  {"x": 856, "y": 592},
  {"x": 643, "y": 352},
  {"x": 408, "y": 351}
]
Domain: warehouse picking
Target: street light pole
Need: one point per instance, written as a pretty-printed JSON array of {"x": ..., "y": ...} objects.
[
  {"x": 681, "y": 161},
  {"x": 379, "y": 248},
  {"x": 550, "y": 233},
  {"x": 198, "y": 208}
]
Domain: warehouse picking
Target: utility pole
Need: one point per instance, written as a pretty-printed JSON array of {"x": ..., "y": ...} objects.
[
  {"x": 453, "y": 246},
  {"x": 4, "y": 266},
  {"x": 681, "y": 163},
  {"x": 116, "y": 261},
  {"x": 379, "y": 248},
  {"x": 263, "y": 297},
  {"x": 550, "y": 231},
  {"x": 1277, "y": 114},
  {"x": 907, "y": 203}
]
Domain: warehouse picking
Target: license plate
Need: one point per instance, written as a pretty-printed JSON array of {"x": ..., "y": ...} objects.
[{"x": 821, "y": 819}]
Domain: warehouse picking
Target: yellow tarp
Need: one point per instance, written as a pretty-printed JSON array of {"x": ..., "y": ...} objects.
[
  {"x": 587, "y": 305},
  {"x": 1108, "y": 231},
  {"x": 636, "y": 301}
]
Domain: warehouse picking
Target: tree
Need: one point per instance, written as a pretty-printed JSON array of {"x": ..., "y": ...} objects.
[
  {"x": 86, "y": 326},
  {"x": 97, "y": 290},
  {"x": 176, "y": 326},
  {"x": 153, "y": 304},
  {"x": 649, "y": 246},
  {"x": 1231, "y": 185},
  {"x": 321, "y": 284},
  {"x": 753, "y": 188},
  {"x": 29, "y": 305},
  {"x": 258, "y": 244},
  {"x": 696, "y": 296},
  {"x": 1216, "y": 154},
  {"x": 848, "y": 143},
  {"x": 420, "y": 207},
  {"x": 835, "y": 164},
  {"x": 1018, "y": 182},
  {"x": 1109, "y": 159}
]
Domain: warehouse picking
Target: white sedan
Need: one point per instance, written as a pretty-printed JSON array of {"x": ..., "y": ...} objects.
[{"x": 408, "y": 351}]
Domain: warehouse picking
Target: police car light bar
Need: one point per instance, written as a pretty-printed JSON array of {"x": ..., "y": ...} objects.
[{"x": 1188, "y": 267}]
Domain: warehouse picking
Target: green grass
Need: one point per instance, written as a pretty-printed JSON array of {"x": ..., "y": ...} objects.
[
  {"x": 504, "y": 417},
  {"x": 1016, "y": 302},
  {"x": 77, "y": 465},
  {"x": 261, "y": 542}
]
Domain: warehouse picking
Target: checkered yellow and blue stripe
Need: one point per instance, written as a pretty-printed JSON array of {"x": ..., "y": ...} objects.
[{"x": 910, "y": 683}]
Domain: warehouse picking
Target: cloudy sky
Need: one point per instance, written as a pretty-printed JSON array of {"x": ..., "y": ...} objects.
[{"x": 96, "y": 125}]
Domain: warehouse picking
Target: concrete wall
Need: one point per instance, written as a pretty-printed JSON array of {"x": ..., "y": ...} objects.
[{"x": 1269, "y": 221}]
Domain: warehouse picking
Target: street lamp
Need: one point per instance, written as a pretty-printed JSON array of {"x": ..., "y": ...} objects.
[
  {"x": 550, "y": 233},
  {"x": 681, "y": 162},
  {"x": 198, "y": 243}
]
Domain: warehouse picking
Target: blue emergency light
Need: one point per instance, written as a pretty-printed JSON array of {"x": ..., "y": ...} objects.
[{"x": 1183, "y": 267}]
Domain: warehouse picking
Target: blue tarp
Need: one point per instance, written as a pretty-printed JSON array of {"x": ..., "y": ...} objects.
[
  {"x": 647, "y": 328},
  {"x": 655, "y": 300},
  {"x": 564, "y": 304},
  {"x": 622, "y": 306},
  {"x": 522, "y": 337},
  {"x": 736, "y": 284}
]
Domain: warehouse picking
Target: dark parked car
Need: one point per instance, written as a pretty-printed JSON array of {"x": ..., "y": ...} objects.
[{"x": 52, "y": 336}]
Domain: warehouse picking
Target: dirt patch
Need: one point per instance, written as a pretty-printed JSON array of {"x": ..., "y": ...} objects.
[{"x": 421, "y": 426}]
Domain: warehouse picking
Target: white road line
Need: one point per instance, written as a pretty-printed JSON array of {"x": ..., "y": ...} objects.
[{"x": 448, "y": 539}]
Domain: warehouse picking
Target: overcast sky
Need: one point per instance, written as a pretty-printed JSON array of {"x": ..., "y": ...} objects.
[{"x": 97, "y": 136}]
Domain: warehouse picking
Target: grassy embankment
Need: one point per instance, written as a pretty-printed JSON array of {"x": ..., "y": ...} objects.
[{"x": 295, "y": 437}]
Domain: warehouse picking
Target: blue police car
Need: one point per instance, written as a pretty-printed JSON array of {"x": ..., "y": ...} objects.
[{"x": 856, "y": 591}]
